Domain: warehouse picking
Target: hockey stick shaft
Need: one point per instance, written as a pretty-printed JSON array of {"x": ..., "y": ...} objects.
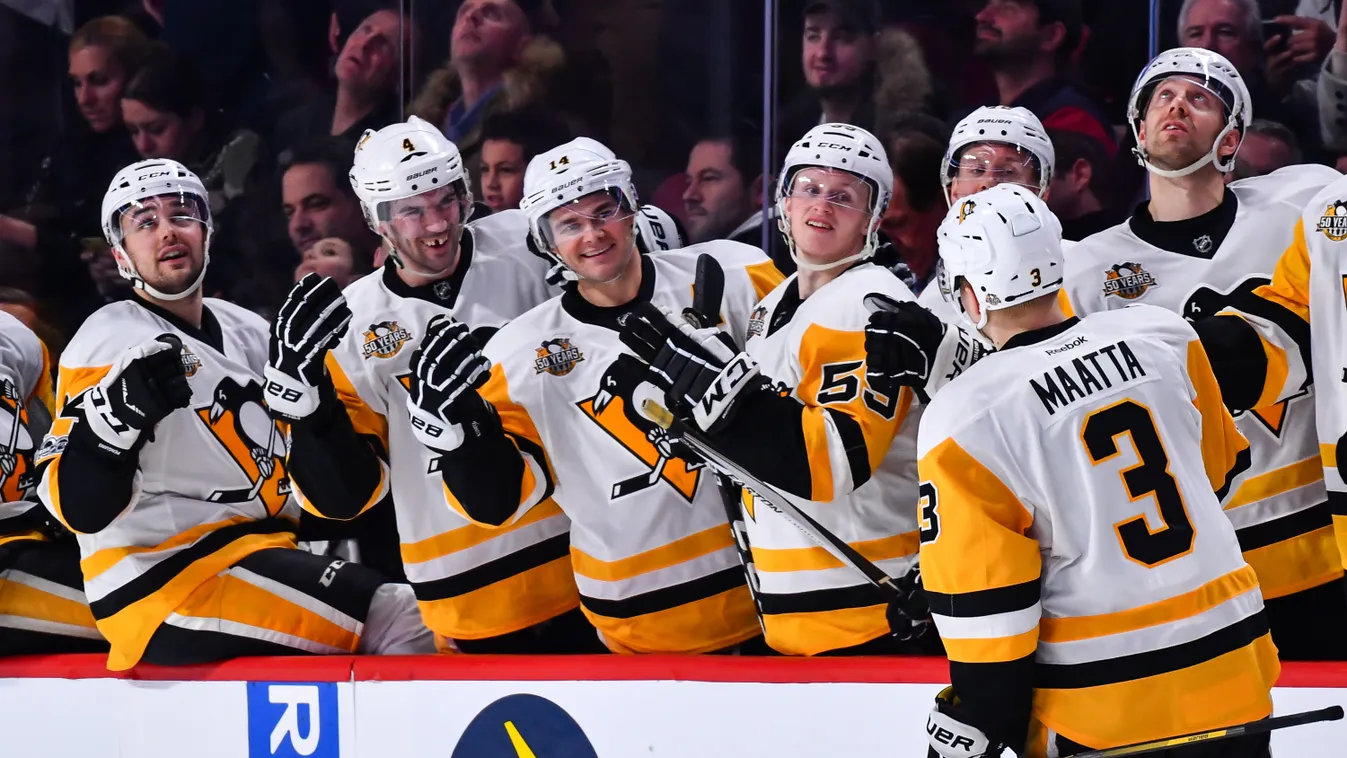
[
  {"x": 774, "y": 499},
  {"x": 1332, "y": 713}
]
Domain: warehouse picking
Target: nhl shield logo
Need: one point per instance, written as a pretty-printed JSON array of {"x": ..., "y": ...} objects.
[
  {"x": 443, "y": 289},
  {"x": 1334, "y": 221},
  {"x": 557, "y": 357},
  {"x": 384, "y": 340},
  {"x": 190, "y": 362},
  {"x": 1128, "y": 281},
  {"x": 757, "y": 321},
  {"x": 1202, "y": 244}
]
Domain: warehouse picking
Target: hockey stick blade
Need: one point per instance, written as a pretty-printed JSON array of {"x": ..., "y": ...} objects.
[
  {"x": 1332, "y": 713},
  {"x": 774, "y": 499},
  {"x": 708, "y": 291}
]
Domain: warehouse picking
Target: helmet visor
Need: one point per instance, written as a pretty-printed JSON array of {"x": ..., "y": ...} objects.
[
  {"x": 566, "y": 223},
  {"x": 144, "y": 216},
  {"x": 837, "y": 187},
  {"x": 983, "y": 165},
  {"x": 432, "y": 212},
  {"x": 1211, "y": 93}
]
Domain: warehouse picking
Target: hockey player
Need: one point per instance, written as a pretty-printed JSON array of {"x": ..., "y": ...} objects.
[
  {"x": 1196, "y": 243},
  {"x": 351, "y": 438},
  {"x": 42, "y": 603},
  {"x": 554, "y": 416},
  {"x": 1077, "y": 563},
  {"x": 796, "y": 410},
  {"x": 164, "y": 461}
]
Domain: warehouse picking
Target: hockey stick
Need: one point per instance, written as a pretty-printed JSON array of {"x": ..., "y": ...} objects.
[
  {"x": 1332, "y": 713},
  {"x": 641, "y": 481},
  {"x": 774, "y": 499}
]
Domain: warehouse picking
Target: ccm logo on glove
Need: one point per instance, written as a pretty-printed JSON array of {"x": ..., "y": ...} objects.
[
  {"x": 725, "y": 383},
  {"x": 275, "y": 389}
]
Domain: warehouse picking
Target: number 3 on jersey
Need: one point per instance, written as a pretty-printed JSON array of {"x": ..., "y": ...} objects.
[{"x": 1150, "y": 477}]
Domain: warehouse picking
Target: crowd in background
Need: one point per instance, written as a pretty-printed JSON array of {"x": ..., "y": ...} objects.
[{"x": 266, "y": 99}]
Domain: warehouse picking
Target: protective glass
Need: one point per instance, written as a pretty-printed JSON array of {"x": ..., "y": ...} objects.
[
  {"x": 142, "y": 218},
  {"x": 566, "y": 223},
  {"x": 841, "y": 189},
  {"x": 432, "y": 212},
  {"x": 992, "y": 163}
]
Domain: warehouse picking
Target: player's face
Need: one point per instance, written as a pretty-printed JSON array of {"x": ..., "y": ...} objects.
[
  {"x": 828, "y": 212},
  {"x": 595, "y": 236},
  {"x": 491, "y": 32},
  {"x": 329, "y": 257},
  {"x": 986, "y": 164},
  {"x": 1181, "y": 123},
  {"x": 716, "y": 199},
  {"x": 158, "y": 134},
  {"x": 369, "y": 59},
  {"x": 165, "y": 239},
  {"x": 316, "y": 208},
  {"x": 502, "y": 173},
  {"x": 98, "y": 80},
  {"x": 834, "y": 56},
  {"x": 425, "y": 228}
]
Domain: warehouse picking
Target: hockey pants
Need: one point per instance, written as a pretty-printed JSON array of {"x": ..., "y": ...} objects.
[{"x": 42, "y": 605}]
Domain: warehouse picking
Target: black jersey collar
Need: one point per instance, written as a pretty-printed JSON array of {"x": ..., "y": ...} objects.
[
  {"x": 607, "y": 316},
  {"x": 1199, "y": 237},
  {"x": 444, "y": 292},
  {"x": 209, "y": 333},
  {"x": 1042, "y": 334}
]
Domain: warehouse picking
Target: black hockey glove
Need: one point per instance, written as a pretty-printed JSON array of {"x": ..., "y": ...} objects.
[
  {"x": 908, "y": 346},
  {"x": 951, "y": 736},
  {"x": 310, "y": 323},
  {"x": 146, "y": 384},
  {"x": 910, "y": 617},
  {"x": 446, "y": 370}
]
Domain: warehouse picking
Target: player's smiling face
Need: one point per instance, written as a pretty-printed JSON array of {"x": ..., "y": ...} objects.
[
  {"x": 1181, "y": 122},
  {"x": 829, "y": 213},
  {"x": 595, "y": 236},
  {"x": 425, "y": 228},
  {"x": 165, "y": 239}
]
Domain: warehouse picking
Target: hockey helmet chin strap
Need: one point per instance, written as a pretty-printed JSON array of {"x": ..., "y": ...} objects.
[
  {"x": 867, "y": 250},
  {"x": 401, "y": 262},
  {"x": 1212, "y": 156},
  {"x": 138, "y": 282}
]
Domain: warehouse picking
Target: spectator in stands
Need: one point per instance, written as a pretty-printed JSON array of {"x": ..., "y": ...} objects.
[
  {"x": 857, "y": 71},
  {"x": 498, "y": 63},
  {"x": 1270, "y": 67},
  {"x": 1332, "y": 91},
  {"x": 61, "y": 218},
  {"x": 319, "y": 202},
  {"x": 1267, "y": 146},
  {"x": 335, "y": 257},
  {"x": 916, "y": 148},
  {"x": 1078, "y": 194},
  {"x": 367, "y": 94},
  {"x": 723, "y": 199},
  {"x": 509, "y": 141},
  {"x": 1029, "y": 45}
]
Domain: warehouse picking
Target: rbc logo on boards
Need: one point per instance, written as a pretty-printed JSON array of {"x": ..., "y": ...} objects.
[{"x": 291, "y": 720}]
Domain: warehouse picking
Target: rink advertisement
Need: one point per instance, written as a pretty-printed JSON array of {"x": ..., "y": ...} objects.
[{"x": 484, "y": 707}]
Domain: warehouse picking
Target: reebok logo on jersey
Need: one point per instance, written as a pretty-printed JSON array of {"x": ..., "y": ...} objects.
[
  {"x": 557, "y": 357},
  {"x": 1333, "y": 223},
  {"x": 384, "y": 340},
  {"x": 1128, "y": 281},
  {"x": 1075, "y": 343}
]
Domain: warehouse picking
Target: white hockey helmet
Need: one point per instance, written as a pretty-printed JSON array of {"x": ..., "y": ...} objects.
[
  {"x": 840, "y": 147},
  {"x": 657, "y": 230},
  {"x": 565, "y": 174},
  {"x": 1212, "y": 72},
  {"x": 1000, "y": 124},
  {"x": 1006, "y": 244},
  {"x": 401, "y": 161},
  {"x": 159, "y": 177}
]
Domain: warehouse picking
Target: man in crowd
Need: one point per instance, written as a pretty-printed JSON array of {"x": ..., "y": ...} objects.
[
  {"x": 1078, "y": 194},
  {"x": 916, "y": 147},
  {"x": 319, "y": 202}
]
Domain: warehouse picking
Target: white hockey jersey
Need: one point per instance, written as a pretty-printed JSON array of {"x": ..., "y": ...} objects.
[
  {"x": 471, "y": 582},
  {"x": 652, "y": 552},
  {"x": 862, "y": 461},
  {"x": 25, "y": 386},
  {"x": 1279, "y": 506},
  {"x": 211, "y": 486},
  {"x": 1067, "y": 513}
]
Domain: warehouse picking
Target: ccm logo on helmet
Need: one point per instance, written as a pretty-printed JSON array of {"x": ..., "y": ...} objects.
[
  {"x": 834, "y": 146},
  {"x": 152, "y": 175}
]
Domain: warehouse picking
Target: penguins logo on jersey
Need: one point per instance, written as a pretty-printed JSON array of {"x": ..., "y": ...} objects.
[
  {"x": 190, "y": 362},
  {"x": 1128, "y": 281},
  {"x": 651, "y": 445},
  {"x": 966, "y": 210},
  {"x": 237, "y": 417},
  {"x": 1334, "y": 221},
  {"x": 757, "y": 321},
  {"x": 384, "y": 340},
  {"x": 557, "y": 357},
  {"x": 16, "y": 445}
]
